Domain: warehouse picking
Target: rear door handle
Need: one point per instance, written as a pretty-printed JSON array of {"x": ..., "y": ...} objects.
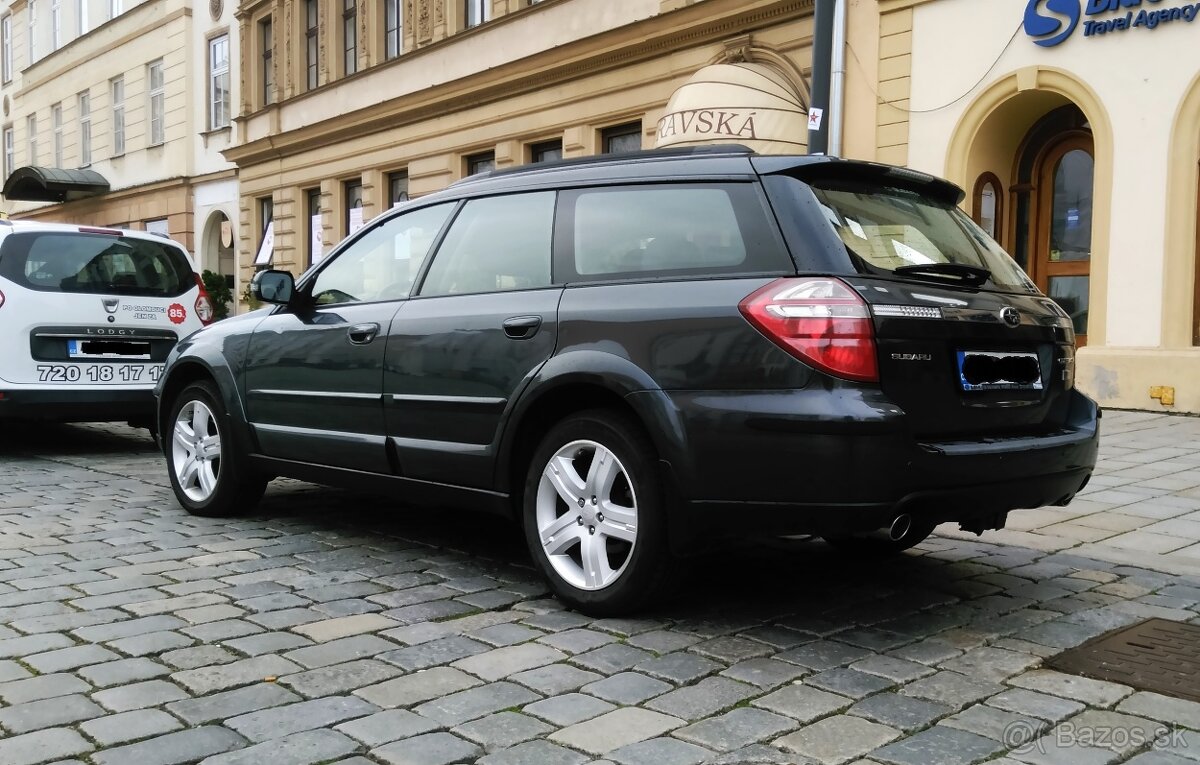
[
  {"x": 361, "y": 334},
  {"x": 522, "y": 327}
]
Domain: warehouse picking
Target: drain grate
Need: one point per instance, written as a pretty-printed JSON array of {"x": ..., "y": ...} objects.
[{"x": 1156, "y": 655}]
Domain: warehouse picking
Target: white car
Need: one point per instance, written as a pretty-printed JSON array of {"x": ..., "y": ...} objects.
[{"x": 87, "y": 318}]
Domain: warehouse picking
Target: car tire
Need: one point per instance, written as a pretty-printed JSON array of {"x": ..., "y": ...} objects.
[
  {"x": 599, "y": 565},
  {"x": 878, "y": 544},
  {"x": 208, "y": 475}
]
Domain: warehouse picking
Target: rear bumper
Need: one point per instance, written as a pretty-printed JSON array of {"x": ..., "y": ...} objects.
[
  {"x": 842, "y": 461},
  {"x": 77, "y": 404}
]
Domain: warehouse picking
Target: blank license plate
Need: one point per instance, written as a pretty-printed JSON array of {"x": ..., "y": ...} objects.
[
  {"x": 999, "y": 370},
  {"x": 108, "y": 349}
]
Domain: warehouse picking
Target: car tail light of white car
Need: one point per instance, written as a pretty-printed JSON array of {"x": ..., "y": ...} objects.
[{"x": 204, "y": 305}]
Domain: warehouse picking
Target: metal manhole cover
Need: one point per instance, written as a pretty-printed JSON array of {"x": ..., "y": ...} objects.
[{"x": 1157, "y": 655}]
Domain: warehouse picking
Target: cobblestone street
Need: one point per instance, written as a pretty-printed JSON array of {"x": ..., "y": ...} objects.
[{"x": 332, "y": 627}]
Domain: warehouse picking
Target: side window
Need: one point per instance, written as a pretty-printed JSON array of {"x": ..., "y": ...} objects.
[
  {"x": 637, "y": 231},
  {"x": 495, "y": 244},
  {"x": 384, "y": 262}
]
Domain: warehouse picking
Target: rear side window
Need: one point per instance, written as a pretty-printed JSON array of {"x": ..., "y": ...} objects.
[
  {"x": 675, "y": 230},
  {"x": 59, "y": 261}
]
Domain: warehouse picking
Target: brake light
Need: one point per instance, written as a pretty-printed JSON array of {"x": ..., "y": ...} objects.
[
  {"x": 101, "y": 231},
  {"x": 821, "y": 321},
  {"x": 204, "y": 306}
]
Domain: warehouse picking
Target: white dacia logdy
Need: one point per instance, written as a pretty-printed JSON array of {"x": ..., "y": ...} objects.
[{"x": 87, "y": 317}]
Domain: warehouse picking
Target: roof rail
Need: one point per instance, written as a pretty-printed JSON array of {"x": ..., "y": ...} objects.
[{"x": 724, "y": 149}]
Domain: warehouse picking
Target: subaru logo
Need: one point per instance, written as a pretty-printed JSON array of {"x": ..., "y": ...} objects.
[
  {"x": 111, "y": 304},
  {"x": 1010, "y": 316},
  {"x": 1051, "y": 22}
]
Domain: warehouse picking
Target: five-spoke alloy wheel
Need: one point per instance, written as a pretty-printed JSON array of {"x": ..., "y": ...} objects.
[
  {"x": 196, "y": 450},
  {"x": 593, "y": 512}
]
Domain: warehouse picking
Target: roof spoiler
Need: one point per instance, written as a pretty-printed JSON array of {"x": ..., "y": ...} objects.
[{"x": 815, "y": 169}]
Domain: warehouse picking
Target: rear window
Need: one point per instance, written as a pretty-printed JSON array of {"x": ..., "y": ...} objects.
[
  {"x": 60, "y": 261},
  {"x": 677, "y": 230},
  {"x": 889, "y": 228}
]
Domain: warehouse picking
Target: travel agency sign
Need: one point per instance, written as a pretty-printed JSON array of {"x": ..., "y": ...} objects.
[{"x": 1051, "y": 22}]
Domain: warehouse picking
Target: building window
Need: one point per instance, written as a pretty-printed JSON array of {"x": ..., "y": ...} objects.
[
  {"x": 477, "y": 12},
  {"x": 81, "y": 16},
  {"x": 349, "y": 36},
  {"x": 7, "y": 54},
  {"x": 354, "y": 206},
  {"x": 218, "y": 83},
  {"x": 622, "y": 138},
  {"x": 31, "y": 9},
  {"x": 393, "y": 29},
  {"x": 988, "y": 205},
  {"x": 311, "y": 31},
  {"x": 118, "y": 116},
  {"x": 397, "y": 188},
  {"x": 481, "y": 163},
  {"x": 158, "y": 104},
  {"x": 268, "y": 66},
  {"x": 315, "y": 226},
  {"x": 55, "y": 24},
  {"x": 31, "y": 127},
  {"x": 9, "y": 152},
  {"x": 547, "y": 151},
  {"x": 56, "y": 123},
  {"x": 115, "y": 7},
  {"x": 85, "y": 129}
]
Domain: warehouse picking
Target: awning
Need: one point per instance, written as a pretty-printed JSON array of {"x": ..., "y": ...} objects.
[
  {"x": 750, "y": 104},
  {"x": 53, "y": 184}
]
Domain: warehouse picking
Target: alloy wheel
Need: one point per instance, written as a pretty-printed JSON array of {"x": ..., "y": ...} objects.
[{"x": 196, "y": 450}]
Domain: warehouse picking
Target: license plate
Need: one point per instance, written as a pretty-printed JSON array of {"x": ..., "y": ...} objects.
[
  {"x": 108, "y": 349},
  {"x": 999, "y": 370},
  {"x": 100, "y": 374}
]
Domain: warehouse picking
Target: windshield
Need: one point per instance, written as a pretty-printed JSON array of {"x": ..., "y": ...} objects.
[
  {"x": 886, "y": 229},
  {"x": 66, "y": 261}
]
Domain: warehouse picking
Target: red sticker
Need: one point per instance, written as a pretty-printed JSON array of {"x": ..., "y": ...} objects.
[{"x": 176, "y": 313}]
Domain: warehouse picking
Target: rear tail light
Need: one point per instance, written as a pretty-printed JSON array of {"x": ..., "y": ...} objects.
[
  {"x": 819, "y": 320},
  {"x": 1, "y": 298},
  {"x": 204, "y": 306}
]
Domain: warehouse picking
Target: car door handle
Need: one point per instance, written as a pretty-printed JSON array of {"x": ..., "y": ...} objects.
[
  {"x": 522, "y": 327},
  {"x": 361, "y": 334}
]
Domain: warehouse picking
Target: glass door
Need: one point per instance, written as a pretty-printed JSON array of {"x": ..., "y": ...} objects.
[{"x": 1062, "y": 265}]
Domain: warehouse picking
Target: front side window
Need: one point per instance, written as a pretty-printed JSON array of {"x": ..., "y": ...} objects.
[
  {"x": 85, "y": 129},
  {"x": 349, "y": 36},
  {"x": 495, "y": 245},
  {"x": 31, "y": 127},
  {"x": 622, "y": 138},
  {"x": 384, "y": 262},
  {"x": 157, "y": 103},
  {"x": 94, "y": 263},
  {"x": 312, "y": 51},
  {"x": 268, "y": 65},
  {"x": 218, "y": 83},
  {"x": 393, "y": 28},
  {"x": 118, "y": 116},
  {"x": 56, "y": 123}
]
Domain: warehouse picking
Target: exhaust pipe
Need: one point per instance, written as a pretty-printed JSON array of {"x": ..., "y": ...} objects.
[{"x": 900, "y": 527}]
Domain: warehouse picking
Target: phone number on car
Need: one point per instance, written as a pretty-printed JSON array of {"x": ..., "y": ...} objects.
[{"x": 99, "y": 373}]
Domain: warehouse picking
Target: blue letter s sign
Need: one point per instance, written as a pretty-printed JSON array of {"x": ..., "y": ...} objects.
[{"x": 1050, "y": 30}]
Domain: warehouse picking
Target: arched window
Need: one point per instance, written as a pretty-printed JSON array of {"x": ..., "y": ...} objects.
[{"x": 989, "y": 205}]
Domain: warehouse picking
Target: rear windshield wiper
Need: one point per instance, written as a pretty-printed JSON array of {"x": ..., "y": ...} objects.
[{"x": 959, "y": 273}]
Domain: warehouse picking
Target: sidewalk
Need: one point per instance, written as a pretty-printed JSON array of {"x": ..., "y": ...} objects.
[{"x": 1141, "y": 508}]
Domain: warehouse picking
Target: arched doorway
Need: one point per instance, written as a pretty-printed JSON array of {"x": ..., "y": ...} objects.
[
  {"x": 1054, "y": 186},
  {"x": 217, "y": 251}
]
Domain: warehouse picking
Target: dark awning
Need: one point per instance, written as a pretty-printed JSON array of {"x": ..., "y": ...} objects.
[{"x": 53, "y": 184}]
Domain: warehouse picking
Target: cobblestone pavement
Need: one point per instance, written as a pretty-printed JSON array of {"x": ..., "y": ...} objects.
[{"x": 331, "y": 627}]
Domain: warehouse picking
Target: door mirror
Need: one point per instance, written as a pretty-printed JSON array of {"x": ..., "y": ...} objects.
[{"x": 273, "y": 286}]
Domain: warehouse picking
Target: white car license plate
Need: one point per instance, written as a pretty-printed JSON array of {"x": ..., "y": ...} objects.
[{"x": 100, "y": 374}]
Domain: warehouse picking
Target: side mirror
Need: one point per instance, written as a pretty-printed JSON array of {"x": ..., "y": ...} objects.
[{"x": 273, "y": 286}]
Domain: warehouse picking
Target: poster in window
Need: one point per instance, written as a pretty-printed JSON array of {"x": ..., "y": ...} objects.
[
  {"x": 267, "y": 248},
  {"x": 318, "y": 232},
  {"x": 356, "y": 219}
]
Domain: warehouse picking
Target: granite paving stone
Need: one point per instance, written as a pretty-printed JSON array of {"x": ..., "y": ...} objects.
[
  {"x": 621, "y": 727},
  {"x": 42, "y": 746},
  {"x": 244, "y": 672},
  {"x": 939, "y": 745},
  {"x": 293, "y": 718},
  {"x": 660, "y": 751},
  {"x": 901, "y": 712},
  {"x": 627, "y": 688},
  {"x": 803, "y": 703},
  {"x": 48, "y": 713},
  {"x": 736, "y": 728},
  {"x": 151, "y": 693},
  {"x": 418, "y": 687},
  {"x": 339, "y": 678},
  {"x": 304, "y": 748},
  {"x": 707, "y": 697},
  {"x": 129, "y": 726},
  {"x": 226, "y": 704},
  {"x": 460, "y": 707},
  {"x": 568, "y": 709},
  {"x": 502, "y": 730},
  {"x": 838, "y": 739},
  {"x": 387, "y": 726},
  {"x": 429, "y": 749},
  {"x": 176, "y": 748}
]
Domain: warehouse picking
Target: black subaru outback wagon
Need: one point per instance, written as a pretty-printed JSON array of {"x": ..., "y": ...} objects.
[{"x": 645, "y": 355}]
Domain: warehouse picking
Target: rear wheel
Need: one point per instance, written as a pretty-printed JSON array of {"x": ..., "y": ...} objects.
[
  {"x": 593, "y": 513},
  {"x": 208, "y": 476},
  {"x": 884, "y": 542}
]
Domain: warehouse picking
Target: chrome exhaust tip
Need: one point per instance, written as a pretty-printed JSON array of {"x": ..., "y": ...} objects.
[{"x": 900, "y": 527}]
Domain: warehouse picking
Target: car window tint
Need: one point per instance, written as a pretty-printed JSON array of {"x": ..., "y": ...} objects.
[
  {"x": 384, "y": 262},
  {"x": 96, "y": 264},
  {"x": 495, "y": 244},
  {"x": 663, "y": 229}
]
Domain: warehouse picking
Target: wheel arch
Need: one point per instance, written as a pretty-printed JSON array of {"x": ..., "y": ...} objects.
[{"x": 190, "y": 369}]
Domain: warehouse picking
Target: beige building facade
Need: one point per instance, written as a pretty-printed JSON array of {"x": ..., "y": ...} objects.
[{"x": 132, "y": 91}]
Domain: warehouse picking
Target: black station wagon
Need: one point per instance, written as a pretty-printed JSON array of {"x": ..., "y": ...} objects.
[{"x": 638, "y": 357}]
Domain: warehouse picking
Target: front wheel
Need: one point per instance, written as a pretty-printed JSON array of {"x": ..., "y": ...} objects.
[
  {"x": 593, "y": 513},
  {"x": 206, "y": 473}
]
